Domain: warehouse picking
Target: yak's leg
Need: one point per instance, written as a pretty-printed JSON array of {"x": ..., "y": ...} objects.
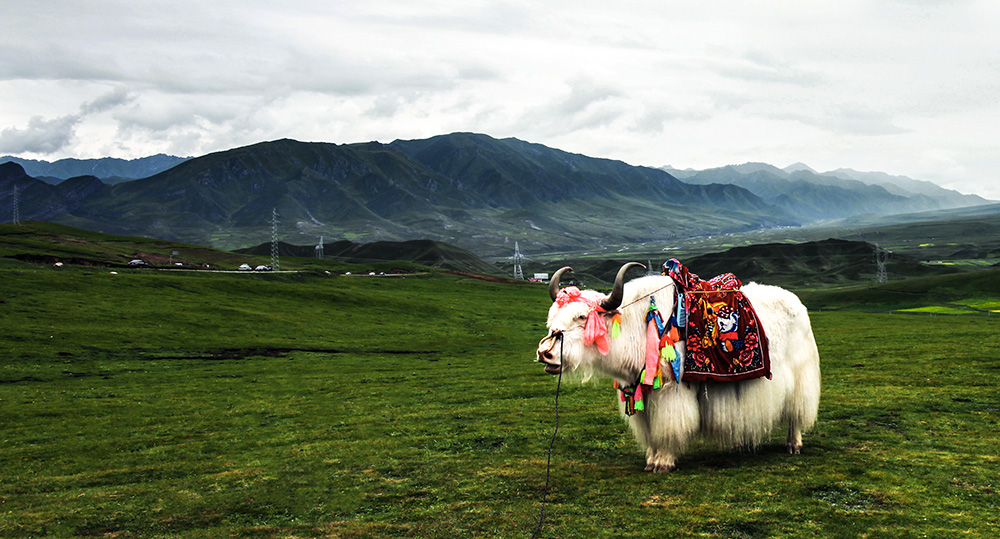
[
  {"x": 794, "y": 440},
  {"x": 657, "y": 460},
  {"x": 671, "y": 420},
  {"x": 639, "y": 424}
]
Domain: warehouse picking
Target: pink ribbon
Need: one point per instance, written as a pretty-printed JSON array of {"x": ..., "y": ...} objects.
[
  {"x": 652, "y": 352},
  {"x": 595, "y": 331}
]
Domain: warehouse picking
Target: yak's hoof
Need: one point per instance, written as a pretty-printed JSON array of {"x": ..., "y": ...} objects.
[
  {"x": 794, "y": 449},
  {"x": 659, "y": 467}
]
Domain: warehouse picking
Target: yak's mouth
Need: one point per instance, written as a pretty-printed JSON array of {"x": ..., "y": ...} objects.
[{"x": 553, "y": 369}]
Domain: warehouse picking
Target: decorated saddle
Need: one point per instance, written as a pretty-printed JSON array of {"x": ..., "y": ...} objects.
[
  {"x": 713, "y": 334},
  {"x": 723, "y": 338}
]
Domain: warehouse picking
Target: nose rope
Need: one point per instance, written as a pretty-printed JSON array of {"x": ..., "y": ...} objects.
[{"x": 548, "y": 463}]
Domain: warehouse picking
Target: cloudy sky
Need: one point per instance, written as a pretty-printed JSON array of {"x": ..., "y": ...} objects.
[{"x": 908, "y": 87}]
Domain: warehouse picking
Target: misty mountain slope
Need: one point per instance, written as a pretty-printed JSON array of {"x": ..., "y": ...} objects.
[
  {"x": 513, "y": 173},
  {"x": 308, "y": 182},
  {"x": 810, "y": 196},
  {"x": 902, "y": 185}
]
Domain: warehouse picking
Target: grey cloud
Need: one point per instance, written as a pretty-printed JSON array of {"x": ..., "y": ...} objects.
[
  {"x": 583, "y": 95},
  {"x": 759, "y": 66},
  {"x": 116, "y": 97},
  {"x": 653, "y": 120},
  {"x": 587, "y": 105},
  {"x": 848, "y": 119},
  {"x": 41, "y": 136},
  {"x": 385, "y": 106},
  {"x": 493, "y": 17},
  {"x": 50, "y": 136}
]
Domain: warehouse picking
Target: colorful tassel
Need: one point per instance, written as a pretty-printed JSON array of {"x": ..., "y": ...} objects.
[
  {"x": 616, "y": 325},
  {"x": 654, "y": 315}
]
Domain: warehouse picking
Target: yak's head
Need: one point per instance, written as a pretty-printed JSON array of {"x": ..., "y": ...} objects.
[{"x": 578, "y": 324}]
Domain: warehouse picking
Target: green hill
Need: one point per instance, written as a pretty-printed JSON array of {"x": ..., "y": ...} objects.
[
  {"x": 795, "y": 265},
  {"x": 424, "y": 252},
  {"x": 818, "y": 263},
  {"x": 47, "y": 243}
]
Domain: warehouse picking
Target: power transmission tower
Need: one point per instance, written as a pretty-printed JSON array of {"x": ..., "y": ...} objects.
[
  {"x": 518, "y": 258},
  {"x": 881, "y": 257},
  {"x": 319, "y": 248},
  {"x": 649, "y": 268},
  {"x": 274, "y": 239},
  {"x": 17, "y": 209}
]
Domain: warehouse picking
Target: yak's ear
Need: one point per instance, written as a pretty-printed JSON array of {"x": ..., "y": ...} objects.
[
  {"x": 554, "y": 282},
  {"x": 618, "y": 292}
]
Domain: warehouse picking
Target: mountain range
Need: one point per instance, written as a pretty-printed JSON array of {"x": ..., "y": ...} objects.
[
  {"x": 109, "y": 169},
  {"x": 465, "y": 189},
  {"x": 811, "y": 196}
]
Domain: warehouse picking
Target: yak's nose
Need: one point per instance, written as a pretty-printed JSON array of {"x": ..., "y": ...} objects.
[{"x": 545, "y": 355}]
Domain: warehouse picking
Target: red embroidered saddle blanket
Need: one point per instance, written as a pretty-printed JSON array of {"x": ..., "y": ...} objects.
[{"x": 723, "y": 337}]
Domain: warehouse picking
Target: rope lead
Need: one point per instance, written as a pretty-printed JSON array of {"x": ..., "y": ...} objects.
[{"x": 548, "y": 464}]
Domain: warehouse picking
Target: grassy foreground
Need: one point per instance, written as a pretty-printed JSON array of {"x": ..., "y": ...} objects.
[{"x": 159, "y": 404}]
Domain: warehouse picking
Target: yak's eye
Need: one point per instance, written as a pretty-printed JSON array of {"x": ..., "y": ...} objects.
[{"x": 581, "y": 318}]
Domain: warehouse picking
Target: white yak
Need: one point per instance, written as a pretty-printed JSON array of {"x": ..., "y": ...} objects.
[{"x": 738, "y": 414}]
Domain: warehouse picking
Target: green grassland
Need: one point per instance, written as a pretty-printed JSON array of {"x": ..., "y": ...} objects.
[
  {"x": 182, "y": 404},
  {"x": 966, "y": 293}
]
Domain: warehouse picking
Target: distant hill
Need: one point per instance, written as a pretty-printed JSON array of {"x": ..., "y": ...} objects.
[
  {"x": 818, "y": 263},
  {"x": 39, "y": 242},
  {"x": 109, "y": 169},
  {"x": 423, "y": 252}
]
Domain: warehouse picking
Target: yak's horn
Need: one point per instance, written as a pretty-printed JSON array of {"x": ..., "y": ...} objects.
[
  {"x": 615, "y": 299},
  {"x": 554, "y": 283}
]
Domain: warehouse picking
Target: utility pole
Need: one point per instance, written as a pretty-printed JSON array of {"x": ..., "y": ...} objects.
[
  {"x": 274, "y": 239},
  {"x": 518, "y": 274}
]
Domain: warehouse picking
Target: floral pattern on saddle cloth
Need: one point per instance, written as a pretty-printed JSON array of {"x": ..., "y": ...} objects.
[{"x": 723, "y": 337}]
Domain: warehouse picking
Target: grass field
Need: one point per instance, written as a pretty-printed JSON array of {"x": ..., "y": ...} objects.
[{"x": 162, "y": 404}]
